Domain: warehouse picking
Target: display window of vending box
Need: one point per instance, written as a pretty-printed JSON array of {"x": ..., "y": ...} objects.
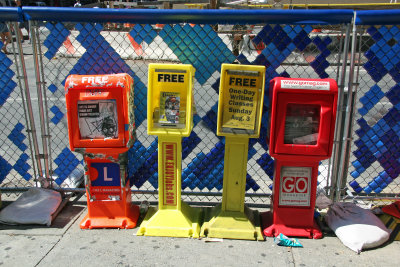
[
  {"x": 99, "y": 110},
  {"x": 170, "y": 104},
  {"x": 302, "y": 116},
  {"x": 240, "y": 102}
]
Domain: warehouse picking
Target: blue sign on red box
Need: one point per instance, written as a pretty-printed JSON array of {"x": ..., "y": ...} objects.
[{"x": 108, "y": 174}]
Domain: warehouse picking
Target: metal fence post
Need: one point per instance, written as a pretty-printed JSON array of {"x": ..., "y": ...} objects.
[
  {"x": 41, "y": 101},
  {"x": 346, "y": 137},
  {"x": 19, "y": 77},
  {"x": 32, "y": 131},
  {"x": 331, "y": 160},
  {"x": 339, "y": 121}
]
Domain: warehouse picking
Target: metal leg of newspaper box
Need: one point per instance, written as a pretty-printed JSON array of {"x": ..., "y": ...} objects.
[
  {"x": 232, "y": 219},
  {"x": 173, "y": 217}
]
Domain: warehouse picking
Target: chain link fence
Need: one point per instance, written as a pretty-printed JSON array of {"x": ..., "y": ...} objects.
[
  {"x": 17, "y": 167},
  {"x": 311, "y": 50},
  {"x": 374, "y": 159}
]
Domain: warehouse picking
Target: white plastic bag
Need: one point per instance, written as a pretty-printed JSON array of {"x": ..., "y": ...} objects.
[
  {"x": 34, "y": 206},
  {"x": 356, "y": 227}
]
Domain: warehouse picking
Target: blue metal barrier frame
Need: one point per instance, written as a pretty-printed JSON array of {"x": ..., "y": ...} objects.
[
  {"x": 145, "y": 16},
  {"x": 11, "y": 14},
  {"x": 378, "y": 17},
  {"x": 321, "y": 16}
]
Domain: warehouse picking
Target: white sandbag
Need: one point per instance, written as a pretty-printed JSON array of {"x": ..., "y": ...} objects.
[
  {"x": 34, "y": 206},
  {"x": 356, "y": 227}
]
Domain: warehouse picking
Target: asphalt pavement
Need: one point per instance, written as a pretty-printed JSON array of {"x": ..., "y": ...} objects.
[{"x": 65, "y": 244}]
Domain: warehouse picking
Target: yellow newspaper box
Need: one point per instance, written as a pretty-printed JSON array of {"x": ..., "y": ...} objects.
[
  {"x": 241, "y": 98},
  {"x": 170, "y": 97},
  {"x": 169, "y": 115}
]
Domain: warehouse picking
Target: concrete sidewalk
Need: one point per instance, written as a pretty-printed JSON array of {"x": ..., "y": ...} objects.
[{"x": 65, "y": 244}]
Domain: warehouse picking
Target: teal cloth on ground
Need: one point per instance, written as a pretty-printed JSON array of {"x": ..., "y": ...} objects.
[{"x": 282, "y": 240}]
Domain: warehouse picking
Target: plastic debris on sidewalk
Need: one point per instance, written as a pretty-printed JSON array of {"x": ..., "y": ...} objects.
[
  {"x": 282, "y": 240},
  {"x": 211, "y": 239}
]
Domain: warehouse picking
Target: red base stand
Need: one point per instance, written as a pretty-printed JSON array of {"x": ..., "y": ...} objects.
[
  {"x": 124, "y": 222},
  {"x": 111, "y": 214},
  {"x": 270, "y": 229},
  {"x": 109, "y": 205}
]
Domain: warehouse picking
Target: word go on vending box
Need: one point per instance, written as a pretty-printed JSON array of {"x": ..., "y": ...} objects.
[{"x": 101, "y": 126}]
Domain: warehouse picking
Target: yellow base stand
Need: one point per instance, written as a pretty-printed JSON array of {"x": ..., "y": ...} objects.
[
  {"x": 232, "y": 218},
  {"x": 232, "y": 224},
  {"x": 174, "y": 217},
  {"x": 172, "y": 222}
]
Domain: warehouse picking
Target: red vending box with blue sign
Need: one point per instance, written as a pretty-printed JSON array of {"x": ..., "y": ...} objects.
[
  {"x": 302, "y": 124},
  {"x": 101, "y": 126}
]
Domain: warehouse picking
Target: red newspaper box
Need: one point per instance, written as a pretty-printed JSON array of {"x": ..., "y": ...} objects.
[
  {"x": 302, "y": 124},
  {"x": 100, "y": 113},
  {"x": 98, "y": 110}
]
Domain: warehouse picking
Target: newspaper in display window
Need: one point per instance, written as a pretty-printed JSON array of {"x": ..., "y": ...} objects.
[
  {"x": 98, "y": 119},
  {"x": 302, "y": 124},
  {"x": 169, "y": 109},
  {"x": 241, "y": 101},
  {"x": 241, "y": 108}
]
